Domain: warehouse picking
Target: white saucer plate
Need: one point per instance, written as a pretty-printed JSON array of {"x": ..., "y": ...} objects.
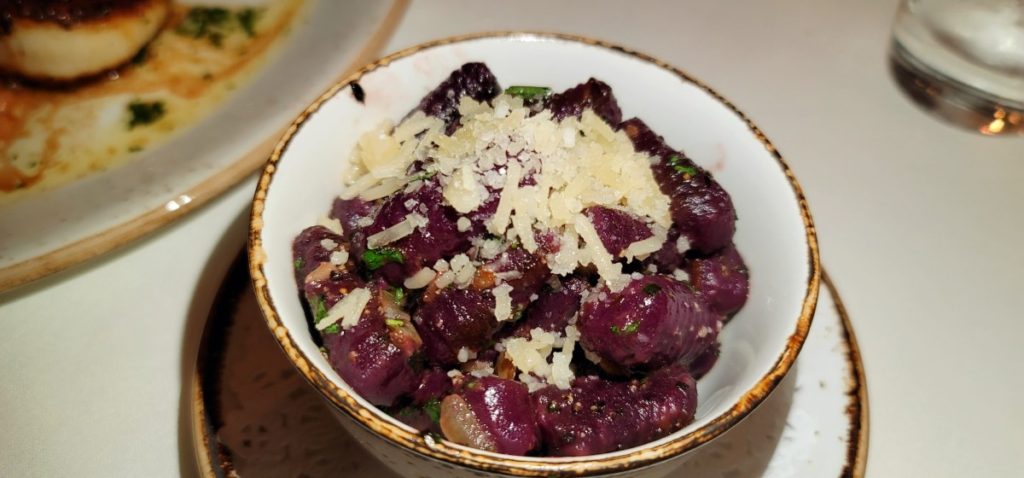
[{"x": 253, "y": 415}]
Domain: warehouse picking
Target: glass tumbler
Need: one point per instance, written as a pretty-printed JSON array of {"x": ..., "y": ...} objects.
[{"x": 963, "y": 60}]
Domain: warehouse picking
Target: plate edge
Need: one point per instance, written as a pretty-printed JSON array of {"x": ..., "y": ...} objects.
[
  {"x": 75, "y": 253},
  {"x": 857, "y": 409}
]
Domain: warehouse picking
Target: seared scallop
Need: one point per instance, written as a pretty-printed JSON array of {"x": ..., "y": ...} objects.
[{"x": 64, "y": 40}]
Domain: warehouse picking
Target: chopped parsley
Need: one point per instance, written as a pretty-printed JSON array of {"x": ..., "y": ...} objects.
[
  {"x": 214, "y": 23},
  {"x": 677, "y": 164},
  {"x": 394, "y": 323},
  {"x": 424, "y": 176},
  {"x": 332, "y": 329},
  {"x": 299, "y": 263},
  {"x": 203, "y": 21},
  {"x": 651, "y": 289},
  {"x": 399, "y": 294},
  {"x": 377, "y": 258},
  {"x": 630, "y": 328},
  {"x": 529, "y": 93},
  {"x": 143, "y": 113},
  {"x": 247, "y": 19},
  {"x": 316, "y": 304},
  {"x": 433, "y": 409}
]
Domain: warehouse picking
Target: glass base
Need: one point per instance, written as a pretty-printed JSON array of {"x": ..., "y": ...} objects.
[{"x": 953, "y": 101}]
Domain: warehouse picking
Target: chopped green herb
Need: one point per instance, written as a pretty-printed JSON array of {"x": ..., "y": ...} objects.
[
  {"x": 394, "y": 323},
  {"x": 376, "y": 258},
  {"x": 200, "y": 21},
  {"x": 433, "y": 409},
  {"x": 332, "y": 329},
  {"x": 630, "y": 328},
  {"x": 299, "y": 263},
  {"x": 215, "y": 24},
  {"x": 472, "y": 385},
  {"x": 399, "y": 294},
  {"x": 651, "y": 289},
  {"x": 529, "y": 93},
  {"x": 424, "y": 176},
  {"x": 143, "y": 113},
  {"x": 677, "y": 164},
  {"x": 687, "y": 170},
  {"x": 247, "y": 19},
  {"x": 141, "y": 56},
  {"x": 318, "y": 307}
]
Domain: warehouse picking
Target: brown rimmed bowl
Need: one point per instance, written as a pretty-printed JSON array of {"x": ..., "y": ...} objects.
[{"x": 775, "y": 233}]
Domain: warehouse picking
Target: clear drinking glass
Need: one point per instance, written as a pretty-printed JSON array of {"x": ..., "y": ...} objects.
[{"x": 964, "y": 60}]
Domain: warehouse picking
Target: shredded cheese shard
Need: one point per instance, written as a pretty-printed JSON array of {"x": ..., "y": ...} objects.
[
  {"x": 348, "y": 310},
  {"x": 501, "y": 216},
  {"x": 502, "y": 302},
  {"x": 398, "y": 231},
  {"x": 420, "y": 279}
]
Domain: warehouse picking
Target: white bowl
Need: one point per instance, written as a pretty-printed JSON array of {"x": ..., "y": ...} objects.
[{"x": 774, "y": 233}]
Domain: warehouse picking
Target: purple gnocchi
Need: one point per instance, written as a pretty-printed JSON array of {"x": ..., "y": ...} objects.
[{"x": 474, "y": 284}]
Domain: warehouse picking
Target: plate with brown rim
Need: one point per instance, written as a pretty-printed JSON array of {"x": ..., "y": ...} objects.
[
  {"x": 90, "y": 166},
  {"x": 253, "y": 415}
]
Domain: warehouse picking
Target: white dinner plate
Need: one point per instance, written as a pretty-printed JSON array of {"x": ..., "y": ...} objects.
[{"x": 52, "y": 230}]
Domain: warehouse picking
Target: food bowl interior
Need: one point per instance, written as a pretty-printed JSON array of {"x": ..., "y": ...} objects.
[{"x": 770, "y": 233}]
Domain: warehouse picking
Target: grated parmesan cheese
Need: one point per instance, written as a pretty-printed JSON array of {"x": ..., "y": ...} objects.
[
  {"x": 502, "y": 302},
  {"x": 328, "y": 244},
  {"x": 420, "y": 279},
  {"x": 332, "y": 225},
  {"x": 481, "y": 369},
  {"x": 339, "y": 257},
  {"x": 501, "y": 216},
  {"x": 401, "y": 229},
  {"x": 348, "y": 310},
  {"x": 545, "y": 174},
  {"x": 444, "y": 279},
  {"x": 464, "y": 191},
  {"x": 644, "y": 247},
  {"x": 530, "y": 357},
  {"x": 682, "y": 244},
  {"x": 610, "y": 271}
]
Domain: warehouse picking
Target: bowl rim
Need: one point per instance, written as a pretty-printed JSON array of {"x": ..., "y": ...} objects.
[{"x": 444, "y": 451}]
